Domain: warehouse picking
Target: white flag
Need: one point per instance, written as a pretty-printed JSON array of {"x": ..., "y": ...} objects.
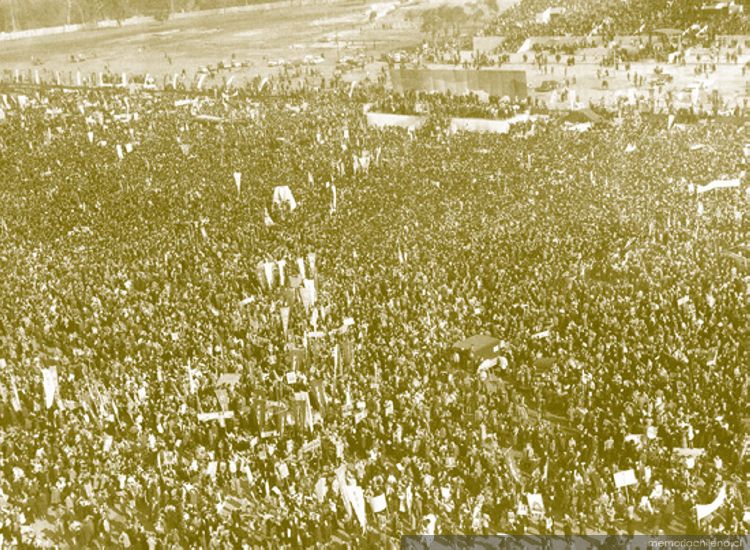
[{"x": 238, "y": 181}]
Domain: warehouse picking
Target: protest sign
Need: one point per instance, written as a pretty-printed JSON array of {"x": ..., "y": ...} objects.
[
  {"x": 230, "y": 379},
  {"x": 625, "y": 478},
  {"x": 536, "y": 505},
  {"x": 378, "y": 503},
  {"x": 219, "y": 415}
]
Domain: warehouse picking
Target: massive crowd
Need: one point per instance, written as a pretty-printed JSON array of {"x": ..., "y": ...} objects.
[
  {"x": 193, "y": 356},
  {"x": 609, "y": 19},
  {"x": 447, "y": 105}
]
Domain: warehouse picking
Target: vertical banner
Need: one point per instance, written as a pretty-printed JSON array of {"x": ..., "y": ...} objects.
[
  {"x": 238, "y": 181},
  {"x": 341, "y": 480},
  {"x": 124, "y": 79},
  {"x": 357, "y": 499},
  {"x": 309, "y": 285},
  {"x": 301, "y": 266},
  {"x": 14, "y": 400},
  {"x": 49, "y": 378},
  {"x": 285, "y": 319},
  {"x": 280, "y": 264},
  {"x": 268, "y": 270},
  {"x": 333, "y": 198}
]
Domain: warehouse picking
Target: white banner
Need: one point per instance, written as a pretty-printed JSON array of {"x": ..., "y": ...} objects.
[
  {"x": 378, "y": 503},
  {"x": 703, "y": 510},
  {"x": 625, "y": 478},
  {"x": 224, "y": 415},
  {"x": 49, "y": 378},
  {"x": 718, "y": 184}
]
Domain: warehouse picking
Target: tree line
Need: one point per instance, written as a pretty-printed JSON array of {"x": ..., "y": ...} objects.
[{"x": 16, "y": 15}]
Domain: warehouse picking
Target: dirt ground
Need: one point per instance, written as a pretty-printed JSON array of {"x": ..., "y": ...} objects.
[{"x": 331, "y": 30}]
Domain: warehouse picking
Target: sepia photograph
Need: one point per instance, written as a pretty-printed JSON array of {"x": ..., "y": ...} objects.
[{"x": 391, "y": 274}]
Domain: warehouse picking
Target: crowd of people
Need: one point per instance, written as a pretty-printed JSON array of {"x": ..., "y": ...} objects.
[
  {"x": 228, "y": 322},
  {"x": 609, "y": 19},
  {"x": 446, "y": 105}
]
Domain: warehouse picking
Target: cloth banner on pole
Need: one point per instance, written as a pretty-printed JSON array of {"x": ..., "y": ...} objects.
[
  {"x": 703, "y": 510},
  {"x": 285, "y": 319},
  {"x": 309, "y": 284},
  {"x": 280, "y": 264},
  {"x": 238, "y": 181},
  {"x": 718, "y": 184},
  {"x": 357, "y": 498},
  {"x": 268, "y": 270},
  {"x": 49, "y": 377},
  {"x": 341, "y": 479}
]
